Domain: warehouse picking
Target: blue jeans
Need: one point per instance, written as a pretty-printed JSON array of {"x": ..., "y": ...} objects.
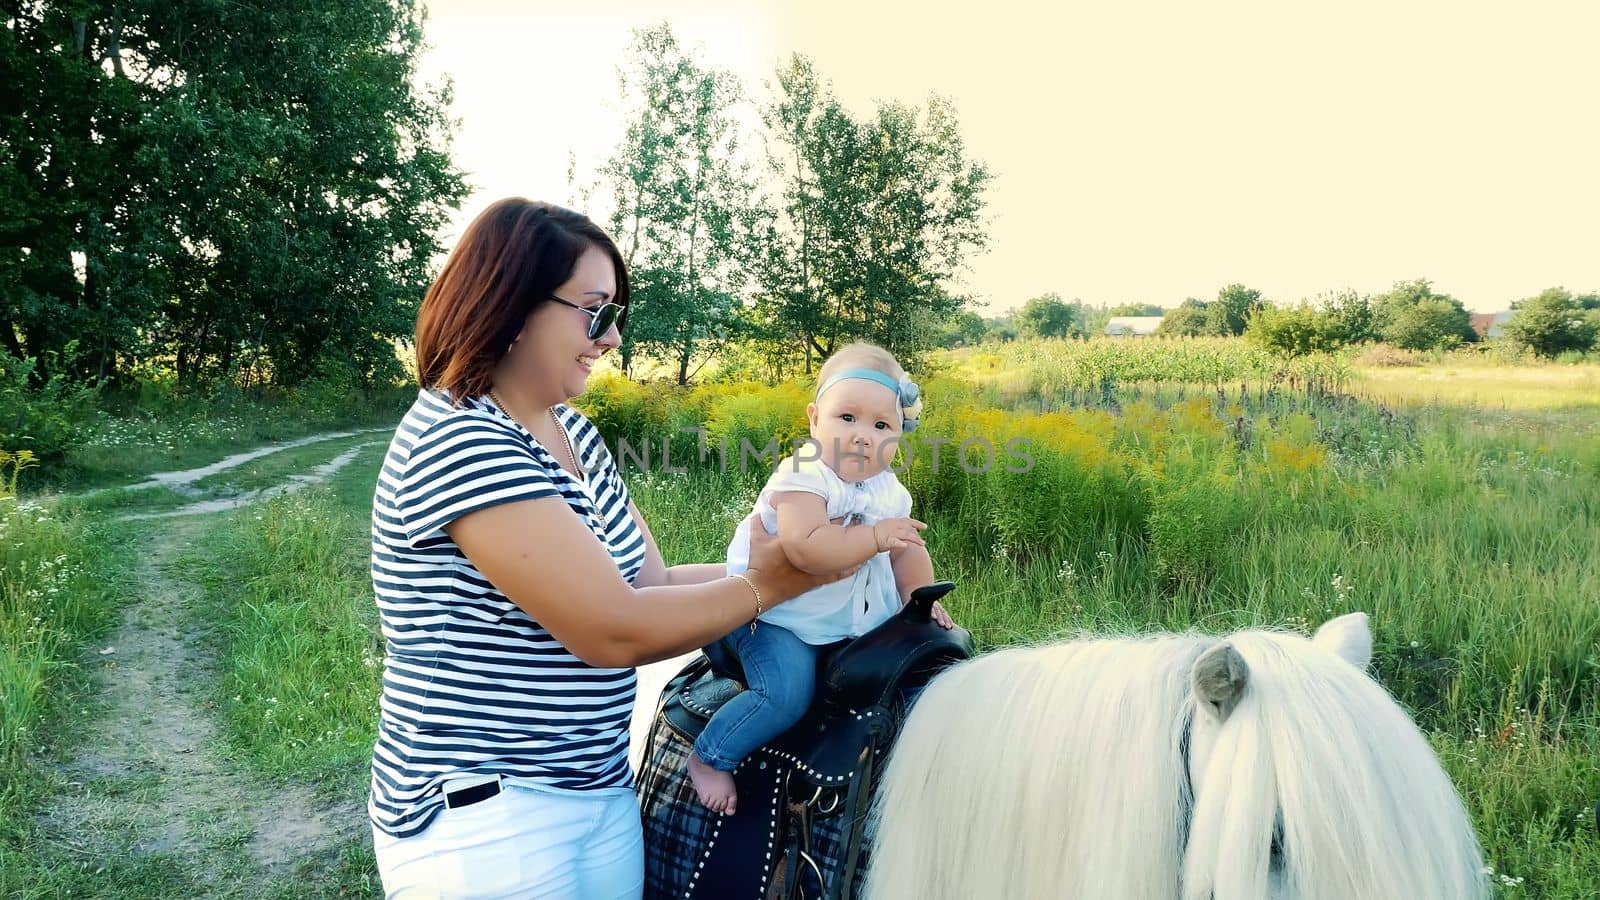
[{"x": 780, "y": 674}]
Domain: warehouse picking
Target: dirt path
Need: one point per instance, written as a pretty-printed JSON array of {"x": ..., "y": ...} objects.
[
  {"x": 295, "y": 483},
  {"x": 152, "y": 778},
  {"x": 183, "y": 481}
]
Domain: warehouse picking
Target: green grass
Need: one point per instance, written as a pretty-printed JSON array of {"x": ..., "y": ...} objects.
[
  {"x": 1458, "y": 383},
  {"x": 60, "y": 574},
  {"x": 288, "y": 580},
  {"x": 122, "y": 500},
  {"x": 276, "y": 468}
]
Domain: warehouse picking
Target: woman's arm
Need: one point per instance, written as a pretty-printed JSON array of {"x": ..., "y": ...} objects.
[
  {"x": 541, "y": 556},
  {"x": 655, "y": 571},
  {"x": 696, "y": 573},
  {"x": 815, "y": 544}
]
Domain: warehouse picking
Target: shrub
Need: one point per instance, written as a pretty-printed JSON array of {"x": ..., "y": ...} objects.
[
  {"x": 1552, "y": 324},
  {"x": 759, "y": 416},
  {"x": 47, "y": 419}
]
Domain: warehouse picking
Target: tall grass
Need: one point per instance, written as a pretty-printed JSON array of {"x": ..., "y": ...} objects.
[
  {"x": 287, "y": 581},
  {"x": 1498, "y": 658},
  {"x": 58, "y": 590},
  {"x": 1472, "y": 383},
  {"x": 61, "y": 581},
  {"x": 1154, "y": 506}
]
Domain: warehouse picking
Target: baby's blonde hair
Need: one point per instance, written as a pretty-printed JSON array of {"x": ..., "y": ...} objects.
[{"x": 862, "y": 355}]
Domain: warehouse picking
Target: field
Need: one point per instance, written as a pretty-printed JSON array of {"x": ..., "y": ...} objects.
[{"x": 1173, "y": 485}]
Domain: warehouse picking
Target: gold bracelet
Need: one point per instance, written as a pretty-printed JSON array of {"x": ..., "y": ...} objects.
[{"x": 754, "y": 590}]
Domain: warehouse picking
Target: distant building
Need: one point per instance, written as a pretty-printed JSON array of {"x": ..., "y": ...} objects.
[
  {"x": 1491, "y": 325},
  {"x": 1133, "y": 326}
]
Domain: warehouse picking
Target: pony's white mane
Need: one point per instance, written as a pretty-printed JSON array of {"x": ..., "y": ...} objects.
[
  {"x": 1317, "y": 748},
  {"x": 1058, "y": 771},
  {"x": 1024, "y": 773}
]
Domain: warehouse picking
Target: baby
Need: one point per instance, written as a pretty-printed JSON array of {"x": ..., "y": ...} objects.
[{"x": 832, "y": 509}]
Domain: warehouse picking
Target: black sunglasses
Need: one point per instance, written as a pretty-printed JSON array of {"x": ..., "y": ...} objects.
[{"x": 601, "y": 317}]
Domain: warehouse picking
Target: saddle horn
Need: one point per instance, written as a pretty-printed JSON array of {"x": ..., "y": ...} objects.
[{"x": 920, "y": 609}]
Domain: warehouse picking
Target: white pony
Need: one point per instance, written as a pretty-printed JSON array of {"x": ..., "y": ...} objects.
[{"x": 1259, "y": 765}]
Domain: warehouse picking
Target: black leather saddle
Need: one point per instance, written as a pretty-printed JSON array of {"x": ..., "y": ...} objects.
[{"x": 860, "y": 681}]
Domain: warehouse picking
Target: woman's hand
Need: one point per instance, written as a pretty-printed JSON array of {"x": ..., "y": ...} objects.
[{"x": 777, "y": 576}]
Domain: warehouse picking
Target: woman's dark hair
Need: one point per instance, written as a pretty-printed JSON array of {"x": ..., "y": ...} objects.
[{"x": 508, "y": 262}]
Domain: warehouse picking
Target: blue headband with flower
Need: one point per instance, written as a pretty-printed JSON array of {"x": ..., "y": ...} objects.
[{"x": 905, "y": 389}]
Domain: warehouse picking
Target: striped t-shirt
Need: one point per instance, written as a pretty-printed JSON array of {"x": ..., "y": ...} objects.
[{"x": 471, "y": 684}]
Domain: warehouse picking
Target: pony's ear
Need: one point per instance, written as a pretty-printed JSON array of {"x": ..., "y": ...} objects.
[
  {"x": 1348, "y": 637},
  {"x": 1220, "y": 677}
]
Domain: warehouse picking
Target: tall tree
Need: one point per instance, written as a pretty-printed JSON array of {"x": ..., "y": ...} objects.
[
  {"x": 214, "y": 185},
  {"x": 1231, "y": 311},
  {"x": 683, "y": 202},
  {"x": 872, "y": 220}
]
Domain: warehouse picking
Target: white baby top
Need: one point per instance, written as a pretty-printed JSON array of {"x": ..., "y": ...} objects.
[{"x": 849, "y": 607}]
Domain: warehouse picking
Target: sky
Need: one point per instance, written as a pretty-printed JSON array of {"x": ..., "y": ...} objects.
[{"x": 1143, "y": 152}]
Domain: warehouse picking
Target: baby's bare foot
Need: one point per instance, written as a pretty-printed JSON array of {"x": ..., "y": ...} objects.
[{"x": 714, "y": 786}]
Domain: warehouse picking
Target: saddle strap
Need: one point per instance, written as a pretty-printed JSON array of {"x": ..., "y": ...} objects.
[
  {"x": 864, "y": 786},
  {"x": 737, "y": 863},
  {"x": 796, "y": 847}
]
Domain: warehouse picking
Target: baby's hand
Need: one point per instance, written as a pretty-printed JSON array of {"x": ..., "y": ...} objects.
[{"x": 892, "y": 534}]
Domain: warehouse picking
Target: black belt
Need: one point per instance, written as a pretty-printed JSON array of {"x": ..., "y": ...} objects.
[{"x": 469, "y": 795}]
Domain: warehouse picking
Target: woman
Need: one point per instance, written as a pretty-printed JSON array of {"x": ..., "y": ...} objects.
[{"x": 518, "y": 586}]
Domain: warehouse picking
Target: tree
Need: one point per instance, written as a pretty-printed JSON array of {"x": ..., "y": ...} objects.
[
  {"x": 872, "y": 219},
  {"x": 1000, "y": 328},
  {"x": 218, "y": 188},
  {"x": 1231, "y": 311},
  {"x": 1045, "y": 316},
  {"x": 963, "y": 329},
  {"x": 1190, "y": 319},
  {"x": 1412, "y": 316},
  {"x": 682, "y": 202},
  {"x": 1293, "y": 330},
  {"x": 1554, "y": 322},
  {"x": 1348, "y": 318},
  {"x": 1092, "y": 320},
  {"x": 1135, "y": 309}
]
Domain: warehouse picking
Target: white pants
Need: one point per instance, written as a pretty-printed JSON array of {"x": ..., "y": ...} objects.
[{"x": 522, "y": 842}]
